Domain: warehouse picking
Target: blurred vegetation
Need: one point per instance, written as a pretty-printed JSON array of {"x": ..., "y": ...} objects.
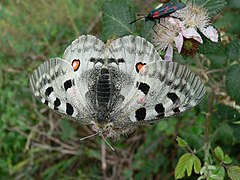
[{"x": 37, "y": 143}]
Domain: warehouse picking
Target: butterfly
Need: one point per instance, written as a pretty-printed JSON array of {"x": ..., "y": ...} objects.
[{"x": 115, "y": 87}]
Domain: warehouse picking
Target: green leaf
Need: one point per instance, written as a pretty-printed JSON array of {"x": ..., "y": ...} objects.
[
  {"x": 233, "y": 82},
  {"x": 233, "y": 50},
  {"x": 227, "y": 159},
  {"x": 227, "y": 113},
  {"x": 234, "y": 172},
  {"x": 229, "y": 19},
  {"x": 185, "y": 164},
  {"x": 218, "y": 59},
  {"x": 208, "y": 47},
  {"x": 182, "y": 165},
  {"x": 219, "y": 172},
  {"x": 181, "y": 142},
  {"x": 234, "y": 4},
  {"x": 213, "y": 6},
  {"x": 219, "y": 153},
  {"x": 146, "y": 30},
  {"x": 116, "y": 17},
  {"x": 196, "y": 164}
]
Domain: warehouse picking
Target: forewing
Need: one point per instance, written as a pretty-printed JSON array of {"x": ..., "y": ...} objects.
[
  {"x": 85, "y": 54},
  {"x": 54, "y": 84},
  {"x": 170, "y": 8}
]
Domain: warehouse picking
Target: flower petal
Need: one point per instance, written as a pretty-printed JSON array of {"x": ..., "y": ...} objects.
[
  {"x": 179, "y": 42},
  {"x": 192, "y": 33},
  {"x": 169, "y": 53},
  {"x": 211, "y": 33}
]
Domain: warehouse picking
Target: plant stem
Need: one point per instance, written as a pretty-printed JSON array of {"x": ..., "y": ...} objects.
[{"x": 207, "y": 128}]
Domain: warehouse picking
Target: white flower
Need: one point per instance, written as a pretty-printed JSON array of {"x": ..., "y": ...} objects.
[
  {"x": 194, "y": 17},
  {"x": 167, "y": 35},
  {"x": 182, "y": 25},
  {"x": 210, "y": 33},
  {"x": 192, "y": 33}
]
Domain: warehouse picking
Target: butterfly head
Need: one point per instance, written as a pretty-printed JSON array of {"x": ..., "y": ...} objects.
[{"x": 104, "y": 129}]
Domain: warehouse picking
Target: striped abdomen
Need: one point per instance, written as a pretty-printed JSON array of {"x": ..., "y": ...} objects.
[{"x": 103, "y": 89}]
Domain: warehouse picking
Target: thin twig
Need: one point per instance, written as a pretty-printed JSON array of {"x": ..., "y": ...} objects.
[
  {"x": 93, "y": 24},
  {"x": 207, "y": 128},
  {"x": 59, "y": 149},
  {"x": 103, "y": 159}
]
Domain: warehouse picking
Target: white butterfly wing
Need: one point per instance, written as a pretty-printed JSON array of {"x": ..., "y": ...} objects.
[
  {"x": 54, "y": 84},
  {"x": 173, "y": 89},
  {"x": 86, "y": 54},
  {"x": 130, "y": 54}
]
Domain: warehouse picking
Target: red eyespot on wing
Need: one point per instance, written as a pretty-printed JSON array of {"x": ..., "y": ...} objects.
[
  {"x": 76, "y": 64},
  {"x": 139, "y": 66},
  {"x": 175, "y": 7},
  {"x": 167, "y": 7}
]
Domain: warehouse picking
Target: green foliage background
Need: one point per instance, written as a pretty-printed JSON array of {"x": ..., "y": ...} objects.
[{"x": 37, "y": 143}]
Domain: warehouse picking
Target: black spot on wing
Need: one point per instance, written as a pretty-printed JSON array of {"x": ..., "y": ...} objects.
[
  {"x": 173, "y": 96},
  {"x": 120, "y": 60},
  {"x": 48, "y": 91},
  {"x": 159, "y": 108},
  {"x": 69, "y": 109},
  {"x": 144, "y": 87},
  {"x": 94, "y": 60},
  {"x": 57, "y": 102},
  {"x": 67, "y": 84},
  {"x": 176, "y": 110},
  {"x": 140, "y": 114}
]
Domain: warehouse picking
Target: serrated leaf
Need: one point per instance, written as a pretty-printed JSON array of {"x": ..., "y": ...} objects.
[
  {"x": 213, "y": 6},
  {"x": 227, "y": 159},
  {"x": 233, "y": 172},
  {"x": 116, "y": 18},
  {"x": 185, "y": 164},
  {"x": 219, "y": 153},
  {"x": 233, "y": 50},
  {"x": 233, "y": 82},
  {"x": 181, "y": 142}
]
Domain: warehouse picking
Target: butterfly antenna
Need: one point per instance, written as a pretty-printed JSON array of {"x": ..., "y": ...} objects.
[
  {"x": 137, "y": 19},
  {"x": 89, "y": 136},
  {"x": 107, "y": 143}
]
